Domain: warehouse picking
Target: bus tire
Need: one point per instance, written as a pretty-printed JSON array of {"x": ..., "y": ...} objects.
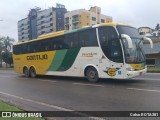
[
  {"x": 32, "y": 72},
  {"x": 92, "y": 75},
  {"x": 26, "y": 72}
]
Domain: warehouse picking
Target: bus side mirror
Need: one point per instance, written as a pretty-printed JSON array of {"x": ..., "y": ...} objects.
[
  {"x": 129, "y": 40},
  {"x": 148, "y": 39}
]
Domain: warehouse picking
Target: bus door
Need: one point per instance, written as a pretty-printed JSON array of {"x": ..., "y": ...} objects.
[{"x": 116, "y": 59}]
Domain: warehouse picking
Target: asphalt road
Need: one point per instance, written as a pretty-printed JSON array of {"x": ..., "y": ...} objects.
[{"x": 67, "y": 94}]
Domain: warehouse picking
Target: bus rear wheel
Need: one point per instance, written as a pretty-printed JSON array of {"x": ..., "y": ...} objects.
[
  {"x": 92, "y": 74},
  {"x": 26, "y": 72},
  {"x": 32, "y": 72}
]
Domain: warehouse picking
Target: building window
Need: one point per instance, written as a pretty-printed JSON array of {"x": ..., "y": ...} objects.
[
  {"x": 102, "y": 21},
  {"x": 150, "y": 62},
  {"x": 93, "y": 19},
  {"x": 51, "y": 24},
  {"x": 42, "y": 32},
  {"x": 42, "y": 27}
]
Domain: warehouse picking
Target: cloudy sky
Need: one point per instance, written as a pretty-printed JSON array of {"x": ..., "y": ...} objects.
[{"x": 136, "y": 13}]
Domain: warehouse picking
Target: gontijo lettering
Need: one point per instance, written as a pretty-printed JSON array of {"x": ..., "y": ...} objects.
[{"x": 37, "y": 57}]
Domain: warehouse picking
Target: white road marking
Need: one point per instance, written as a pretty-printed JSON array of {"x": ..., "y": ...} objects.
[
  {"x": 148, "y": 90},
  {"x": 6, "y": 76},
  {"x": 50, "y": 105},
  {"x": 88, "y": 84},
  {"x": 46, "y": 80},
  {"x": 146, "y": 79}
]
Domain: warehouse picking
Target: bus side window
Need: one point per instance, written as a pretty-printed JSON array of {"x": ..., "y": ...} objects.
[
  {"x": 114, "y": 45},
  {"x": 71, "y": 40},
  {"x": 83, "y": 37},
  {"x": 88, "y": 38},
  {"x": 54, "y": 46},
  {"x": 103, "y": 37},
  {"x": 110, "y": 44}
]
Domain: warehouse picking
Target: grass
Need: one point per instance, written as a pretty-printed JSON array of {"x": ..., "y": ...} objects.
[
  {"x": 7, "y": 107},
  {"x": 153, "y": 69}
]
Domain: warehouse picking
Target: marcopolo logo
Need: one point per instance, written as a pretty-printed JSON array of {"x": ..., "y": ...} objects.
[{"x": 37, "y": 57}]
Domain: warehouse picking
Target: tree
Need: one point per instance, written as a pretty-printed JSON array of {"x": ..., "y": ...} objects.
[
  {"x": 8, "y": 42},
  {"x": 5, "y": 46},
  {"x": 7, "y": 57},
  {"x": 1, "y": 49}
]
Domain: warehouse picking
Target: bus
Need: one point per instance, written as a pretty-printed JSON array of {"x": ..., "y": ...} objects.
[{"x": 108, "y": 50}]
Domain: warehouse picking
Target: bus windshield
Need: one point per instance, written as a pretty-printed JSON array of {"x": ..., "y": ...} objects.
[{"x": 136, "y": 54}]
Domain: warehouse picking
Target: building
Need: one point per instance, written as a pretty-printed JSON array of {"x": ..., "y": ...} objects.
[
  {"x": 145, "y": 31},
  {"x": 152, "y": 54},
  {"x": 40, "y": 22},
  {"x": 79, "y": 18}
]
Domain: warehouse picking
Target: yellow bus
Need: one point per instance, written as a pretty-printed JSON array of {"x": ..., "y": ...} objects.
[{"x": 108, "y": 50}]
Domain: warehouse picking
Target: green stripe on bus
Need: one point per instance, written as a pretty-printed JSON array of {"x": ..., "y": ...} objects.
[
  {"x": 57, "y": 60},
  {"x": 69, "y": 59}
]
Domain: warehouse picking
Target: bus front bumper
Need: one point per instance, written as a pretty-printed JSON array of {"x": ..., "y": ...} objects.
[{"x": 132, "y": 74}]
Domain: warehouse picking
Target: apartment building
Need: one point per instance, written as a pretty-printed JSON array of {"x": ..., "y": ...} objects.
[
  {"x": 39, "y": 22},
  {"x": 81, "y": 17}
]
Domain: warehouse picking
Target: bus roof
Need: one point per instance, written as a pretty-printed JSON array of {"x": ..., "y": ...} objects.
[
  {"x": 112, "y": 24},
  {"x": 54, "y": 34}
]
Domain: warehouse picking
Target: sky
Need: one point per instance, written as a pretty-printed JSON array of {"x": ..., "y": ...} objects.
[{"x": 137, "y": 13}]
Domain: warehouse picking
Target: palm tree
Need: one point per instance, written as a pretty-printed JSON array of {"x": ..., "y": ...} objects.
[
  {"x": 8, "y": 42},
  {"x": 1, "y": 49},
  {"x": 5, "y": 45}
]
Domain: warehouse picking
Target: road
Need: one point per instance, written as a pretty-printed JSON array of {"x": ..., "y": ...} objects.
[{"x": 67, "y": 94}]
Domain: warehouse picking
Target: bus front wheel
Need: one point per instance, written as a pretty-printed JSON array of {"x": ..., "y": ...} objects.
[
  {"x": 26, "y": 71},
  {"x": 92, "y": 74},
  {"x": 32, "y": 72}
]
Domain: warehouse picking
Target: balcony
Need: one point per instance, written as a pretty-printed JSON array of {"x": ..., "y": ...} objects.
[
  {"x": 75, "y": 19},
  {"x": 66, "y": 22}
]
